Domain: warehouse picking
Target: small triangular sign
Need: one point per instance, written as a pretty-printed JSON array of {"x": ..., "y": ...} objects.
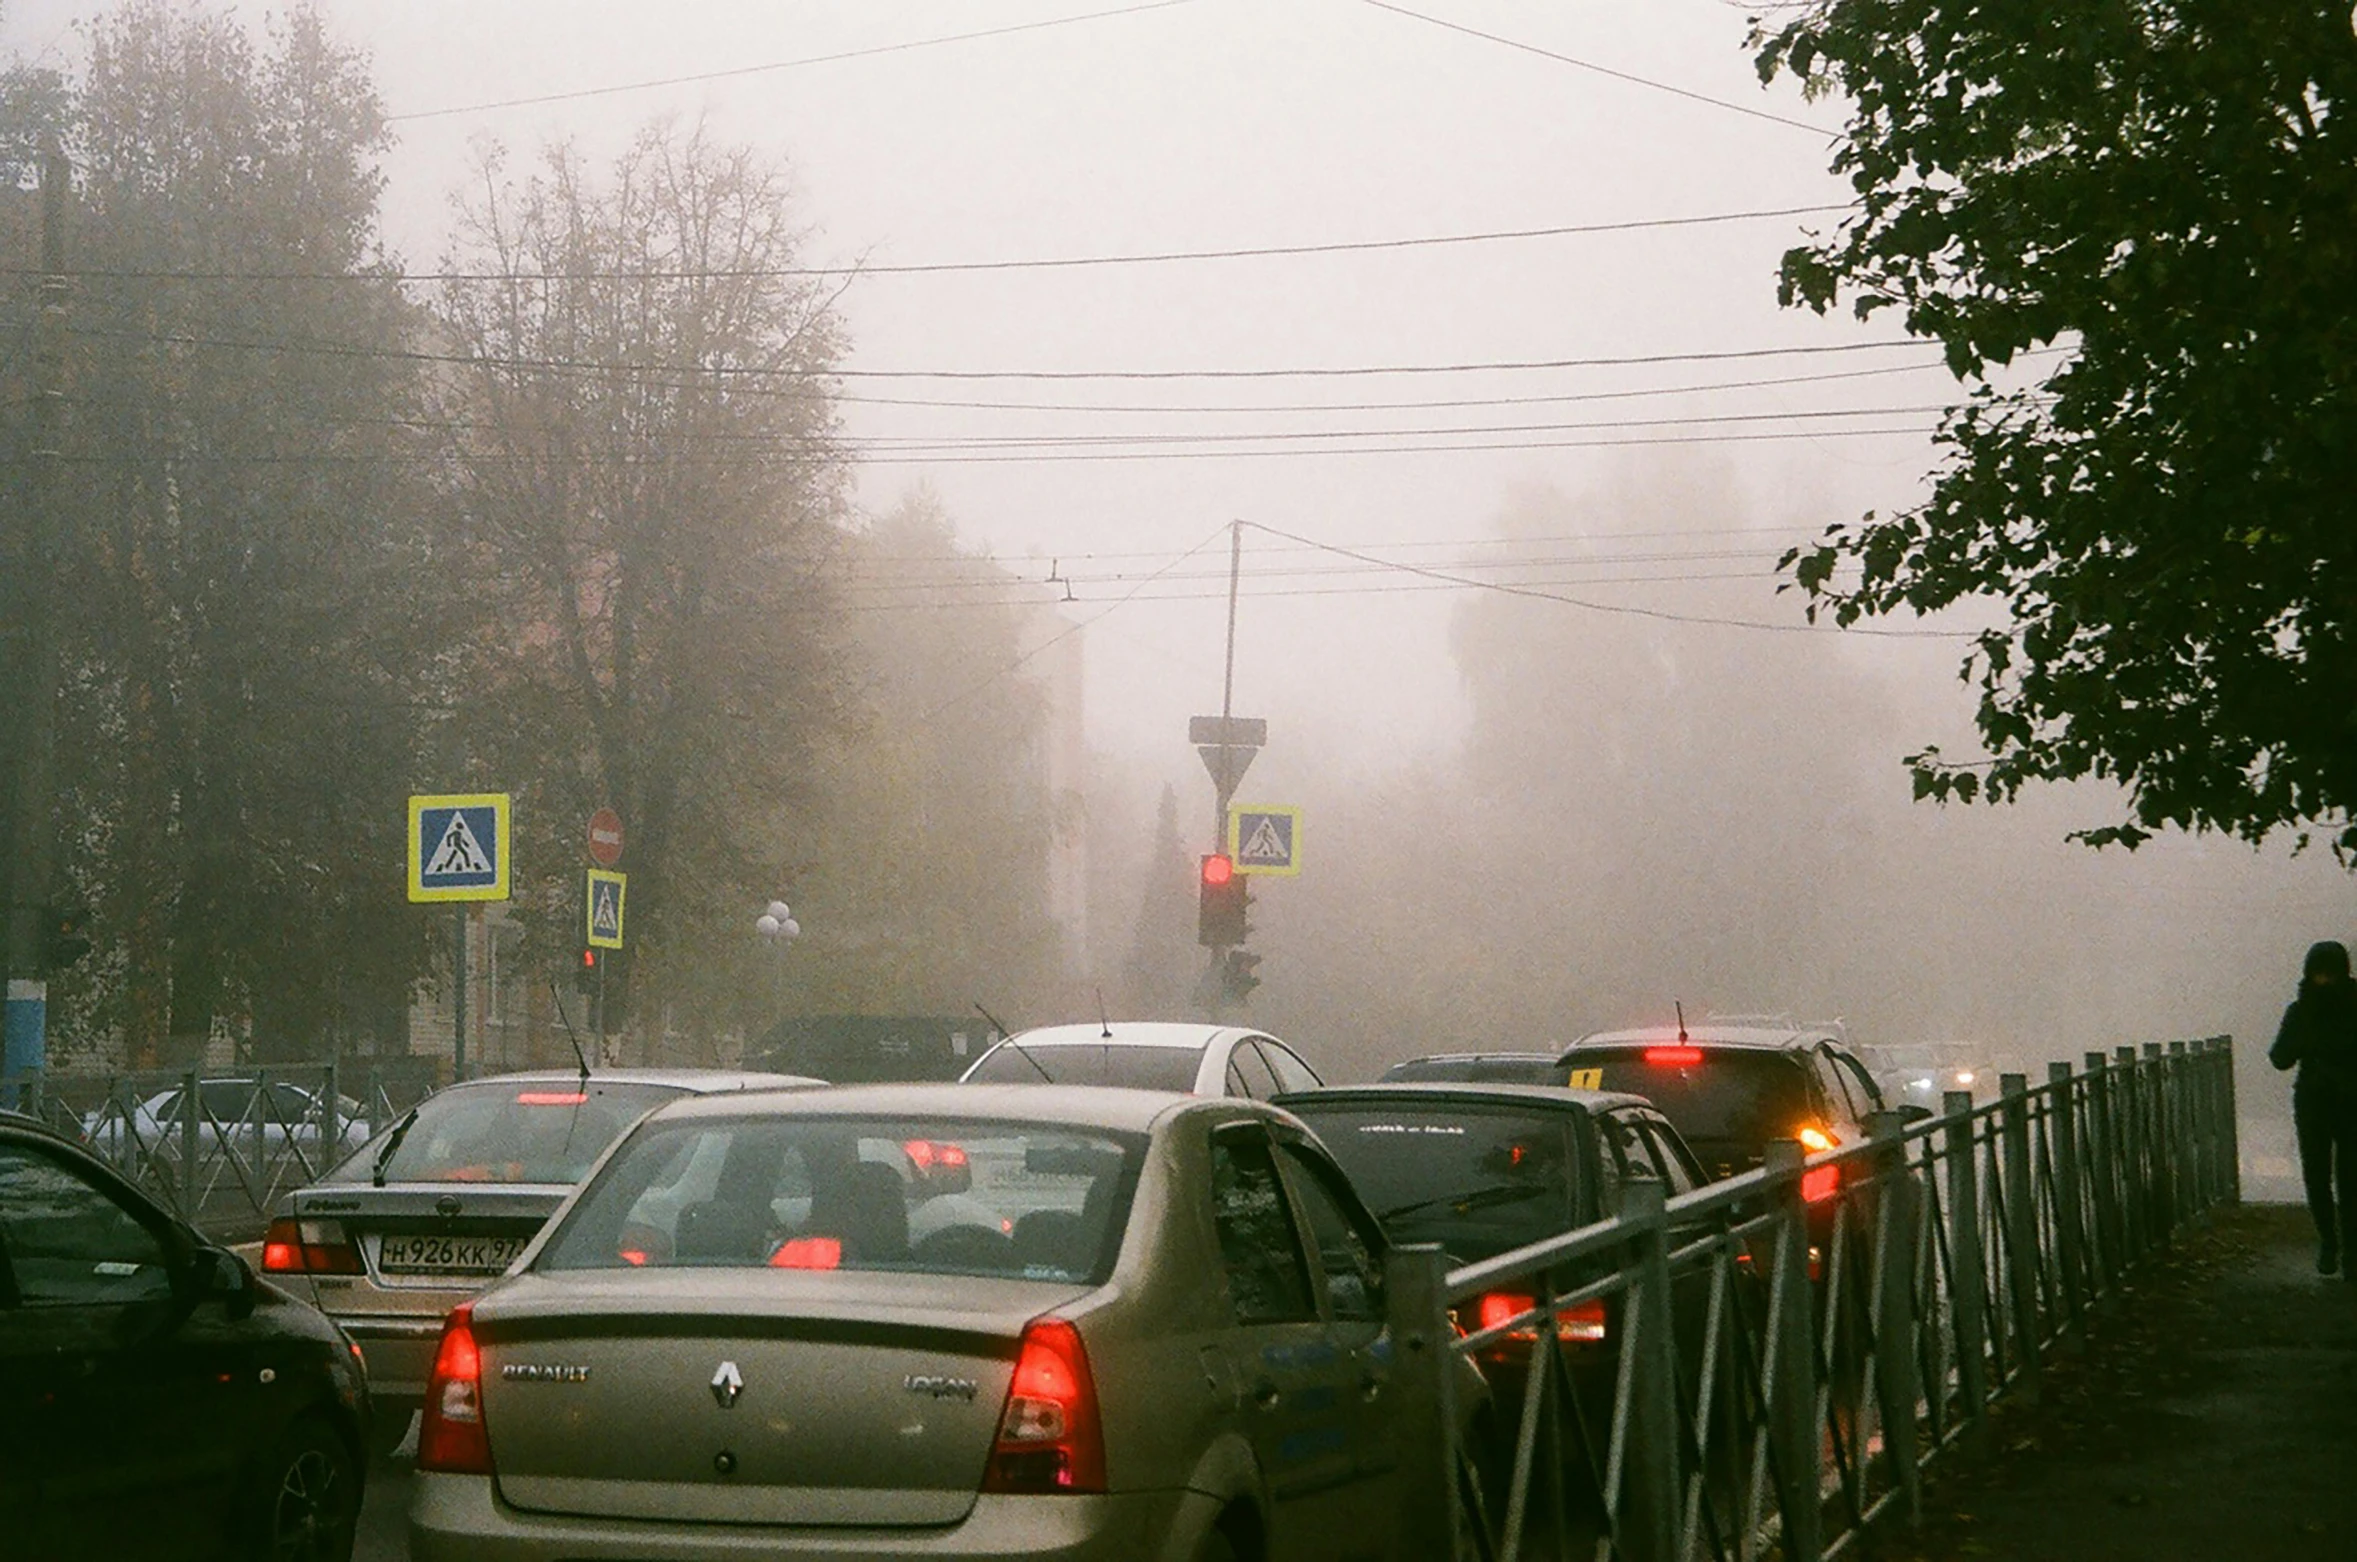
[
  {"x": 1239, "y": 760},
  {"x": 605, "y": 917},
  {"x": 460, "y": 852}
]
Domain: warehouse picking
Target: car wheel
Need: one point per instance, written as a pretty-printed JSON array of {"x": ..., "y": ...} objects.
[{"x": 307, "y": 1500}]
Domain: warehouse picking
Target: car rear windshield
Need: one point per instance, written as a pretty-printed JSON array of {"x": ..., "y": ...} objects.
[
  {"x": 1130, "y": 1066},
  {"x": 506, "y": 1131},
  {"x": 911, "y": 1194},
  {"x": 1499, "y": 1069},
  {"x": 1476, "y": 1179},
  {"x": 1744, "y": 1097}
]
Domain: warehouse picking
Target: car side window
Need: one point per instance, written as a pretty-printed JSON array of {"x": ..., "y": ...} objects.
[
  {"x": 1246, "y": 1063},
  {"x": 1665, "y": 1155},
  {"x": 1268, "y": 1278},
  {"x": 70, "y": 1242},
  {"x": 1292, "y": 1073},
  {"x": 1350, "y": 1256},
  {"x": 1624, "y": 1158}
]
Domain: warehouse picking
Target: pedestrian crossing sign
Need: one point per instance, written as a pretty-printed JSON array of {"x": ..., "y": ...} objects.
[
  {"x": 604, "y": 901},
  {"x": 1265, "y": 840},
  {"x": 458, "y": 847}
]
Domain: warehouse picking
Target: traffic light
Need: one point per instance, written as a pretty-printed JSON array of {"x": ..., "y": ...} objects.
[
  {"x": 1219, "y": 920},
  {"x": 1236, "y": 980},
  {"x": 585, "y": 973},
  {"x": 64, "y": 937}
]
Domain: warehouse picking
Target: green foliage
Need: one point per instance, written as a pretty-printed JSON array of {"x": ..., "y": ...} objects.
[{"x": 2166, "y": 191}]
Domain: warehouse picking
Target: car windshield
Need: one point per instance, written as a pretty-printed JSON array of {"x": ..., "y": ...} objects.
[
  {"x": 909, "y": 1194},
  {"x": 1078, "y": 1063},
  {"x": 1748, "y": 1098},
  {"x": 1489, "y": 1069},
  {"x": 510, "y": 1131},
  {"x": 1476, "y": 1179}
]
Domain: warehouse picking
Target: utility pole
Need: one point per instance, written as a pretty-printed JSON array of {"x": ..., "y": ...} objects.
[
  {"x": 33, "y": 574},
  {"x": 1224, "y": 783}
]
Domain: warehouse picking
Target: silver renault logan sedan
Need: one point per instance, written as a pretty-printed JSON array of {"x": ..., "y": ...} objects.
[{"x": 1139, "y": 1326}]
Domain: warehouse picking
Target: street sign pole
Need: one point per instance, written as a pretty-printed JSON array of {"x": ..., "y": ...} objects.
[
  {"x": 1225, "y": 779},
  {"x": 458, "y": 992}
]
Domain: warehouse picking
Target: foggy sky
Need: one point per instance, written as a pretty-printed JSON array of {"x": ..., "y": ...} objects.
[{"x": 1269, "y": 122}]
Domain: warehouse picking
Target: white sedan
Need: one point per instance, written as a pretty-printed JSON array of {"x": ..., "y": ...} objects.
[{"x": 1201, "y": 1060}]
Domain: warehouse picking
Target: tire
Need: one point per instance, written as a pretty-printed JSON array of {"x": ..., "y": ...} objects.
[{"x": 305, "y": 1505}]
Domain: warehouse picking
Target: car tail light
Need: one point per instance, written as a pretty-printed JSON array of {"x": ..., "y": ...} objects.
[
  {"x": 1673, "y": 1057},
  {"x": 808, "y": 1253},
  {"x": 1580, "y": 1323},
  {"x": 309, "y": 1247},
  {"x": 925, "y": 1154},
  {"x": 451, "y": 1436},
  {"x": 1050, "y": 1438},
  {"x": 1820, "y": 1183}
]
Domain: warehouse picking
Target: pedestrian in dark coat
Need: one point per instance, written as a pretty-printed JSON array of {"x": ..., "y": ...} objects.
[{"x": 2319, "y": 1038}]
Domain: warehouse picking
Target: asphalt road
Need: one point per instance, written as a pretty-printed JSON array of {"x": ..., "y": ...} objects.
[{"x": 384, "y": 1510}]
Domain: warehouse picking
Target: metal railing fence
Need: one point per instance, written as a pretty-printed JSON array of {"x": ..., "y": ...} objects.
[
  {"x": 1777, "y": 1370},
  {"x": 222, "y": 1147}
]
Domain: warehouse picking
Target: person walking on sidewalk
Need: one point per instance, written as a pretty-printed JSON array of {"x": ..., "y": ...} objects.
[{"x": 2319, "y": 1038}]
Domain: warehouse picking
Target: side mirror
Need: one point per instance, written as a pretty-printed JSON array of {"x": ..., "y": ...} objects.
[{"x": 217, "y": 1275}]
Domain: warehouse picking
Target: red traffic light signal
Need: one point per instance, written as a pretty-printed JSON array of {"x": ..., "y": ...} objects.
[{"x": 1219, "y": 920}]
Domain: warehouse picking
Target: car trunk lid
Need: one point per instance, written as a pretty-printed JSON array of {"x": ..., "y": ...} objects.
[{"x": 752, "y": 1397}]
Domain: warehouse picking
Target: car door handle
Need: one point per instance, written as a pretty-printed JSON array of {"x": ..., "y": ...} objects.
[{"x": 1265, "y": 1395}]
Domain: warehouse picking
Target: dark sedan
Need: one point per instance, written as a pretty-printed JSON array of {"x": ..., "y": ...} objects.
[{"x": 157, "y": 1400}]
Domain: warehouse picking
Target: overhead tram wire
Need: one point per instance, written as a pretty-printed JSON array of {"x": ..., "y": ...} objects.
[
  {"x": 577, "y": 94},
  {"x": 1509, "y": 589},
  {"x": 865, "y": 269},
  {"x": 1604, "y": 70}
]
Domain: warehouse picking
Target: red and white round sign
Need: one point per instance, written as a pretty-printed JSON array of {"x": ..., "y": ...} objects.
[{"x": 605, "y": 837}]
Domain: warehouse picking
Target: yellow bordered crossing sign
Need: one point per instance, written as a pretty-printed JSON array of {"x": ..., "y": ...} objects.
[
  {"x": 1265, "y": 840},
  {"x": 603, "y": 902},
  {"x": 459, "y": 846}
]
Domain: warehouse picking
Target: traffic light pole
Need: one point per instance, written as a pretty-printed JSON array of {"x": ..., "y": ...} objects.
[
  {"x": 32, "y": 603},
  {"x": 1224, "y": 783}
]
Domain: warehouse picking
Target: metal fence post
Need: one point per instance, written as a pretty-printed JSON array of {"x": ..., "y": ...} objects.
[
  {"x": 2069, "y": 1222},
  {"x": 1891, "y": 1306},
  {"x": 1790, "y": 1358},
  {"x": 2159, "y": 1148},
  {"x": 1968, "y": 1270},
  {"x": 1423, "y": 1419},
  {"x": 191, "y": 1125},
  {"x": 2230, "y": 1118},
  {"x": 2103, "y": 1178},
  {"x": 2021, "y": 1228},
  {"x": 1652, "y": 1480},
  {"x": 2135, "y": 1186}
]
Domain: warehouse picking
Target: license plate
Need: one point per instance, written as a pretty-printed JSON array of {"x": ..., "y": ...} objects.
[{"x": 430, "y": 1255}]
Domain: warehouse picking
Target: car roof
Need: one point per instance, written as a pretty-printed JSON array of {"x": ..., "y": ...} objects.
[
  {"x": 697, "y": 1081},
  {"x": 1194, "y": 1037},
  {"x": 1474, "y": 1057},
  {"x": 1070, "y": 1106},
  {"x": 1499, "y": 1094},
  {"x": 1753, "y": 1038}
]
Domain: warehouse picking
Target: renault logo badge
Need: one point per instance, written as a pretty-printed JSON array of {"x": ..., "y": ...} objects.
[{"x": 727, "y": 1384}]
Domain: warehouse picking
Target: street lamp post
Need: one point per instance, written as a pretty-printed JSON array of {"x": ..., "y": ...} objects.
[{"x": 778, "y": 929}]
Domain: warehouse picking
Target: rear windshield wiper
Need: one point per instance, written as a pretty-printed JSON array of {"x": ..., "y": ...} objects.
[
  {"x": 1479, "y": 1198},
  {"x": 376, "y": 1173}
]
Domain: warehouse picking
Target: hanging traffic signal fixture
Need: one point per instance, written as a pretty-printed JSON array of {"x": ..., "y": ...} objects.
[
  {"x": 64, "y": 937},
  {"x": 1236, "y": 980},
  {"x": 1219, "y": 921}
]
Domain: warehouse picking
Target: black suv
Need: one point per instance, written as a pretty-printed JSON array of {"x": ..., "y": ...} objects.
[
  {"x": 1731, "y": 1088},
  {"x": 156, "y": 1399}
]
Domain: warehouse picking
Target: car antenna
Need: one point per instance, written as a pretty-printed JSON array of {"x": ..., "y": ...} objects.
[
  {"x": 1007, "y": 1040},
  {"x": 578, "y": 1056},
  {"x": 996, "y": 1023},
  {"x": 1681, "y": 1008},
  {"x": 1101, "y": 1019}
]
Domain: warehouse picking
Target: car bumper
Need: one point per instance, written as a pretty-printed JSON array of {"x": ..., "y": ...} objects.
[
  {"x": 454, "y": 1517},
  {"x": 399, "y": 1353}
]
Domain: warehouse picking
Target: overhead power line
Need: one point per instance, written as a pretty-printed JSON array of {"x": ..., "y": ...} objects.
[
  {"x": 1603, "y": 70},
  {"x": 579, "y": 93},
  {"x": 942, "y": 267}
]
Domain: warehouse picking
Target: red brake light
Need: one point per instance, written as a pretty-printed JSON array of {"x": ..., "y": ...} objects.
[
  {"x": 1049, "y": 1436},
  {"x": 925, "y": 1154},
  {"x": 315, "y": 1247},
  {"x": 1674, "y": 1057},
  {"x": 550, "y": 1097},
  {"x": 1820, "y": 1183},
  {"x": 451, "y": 1436},
  {"x": 808, "y": 1253},
  {"x": 1580, "y": 1323}
]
